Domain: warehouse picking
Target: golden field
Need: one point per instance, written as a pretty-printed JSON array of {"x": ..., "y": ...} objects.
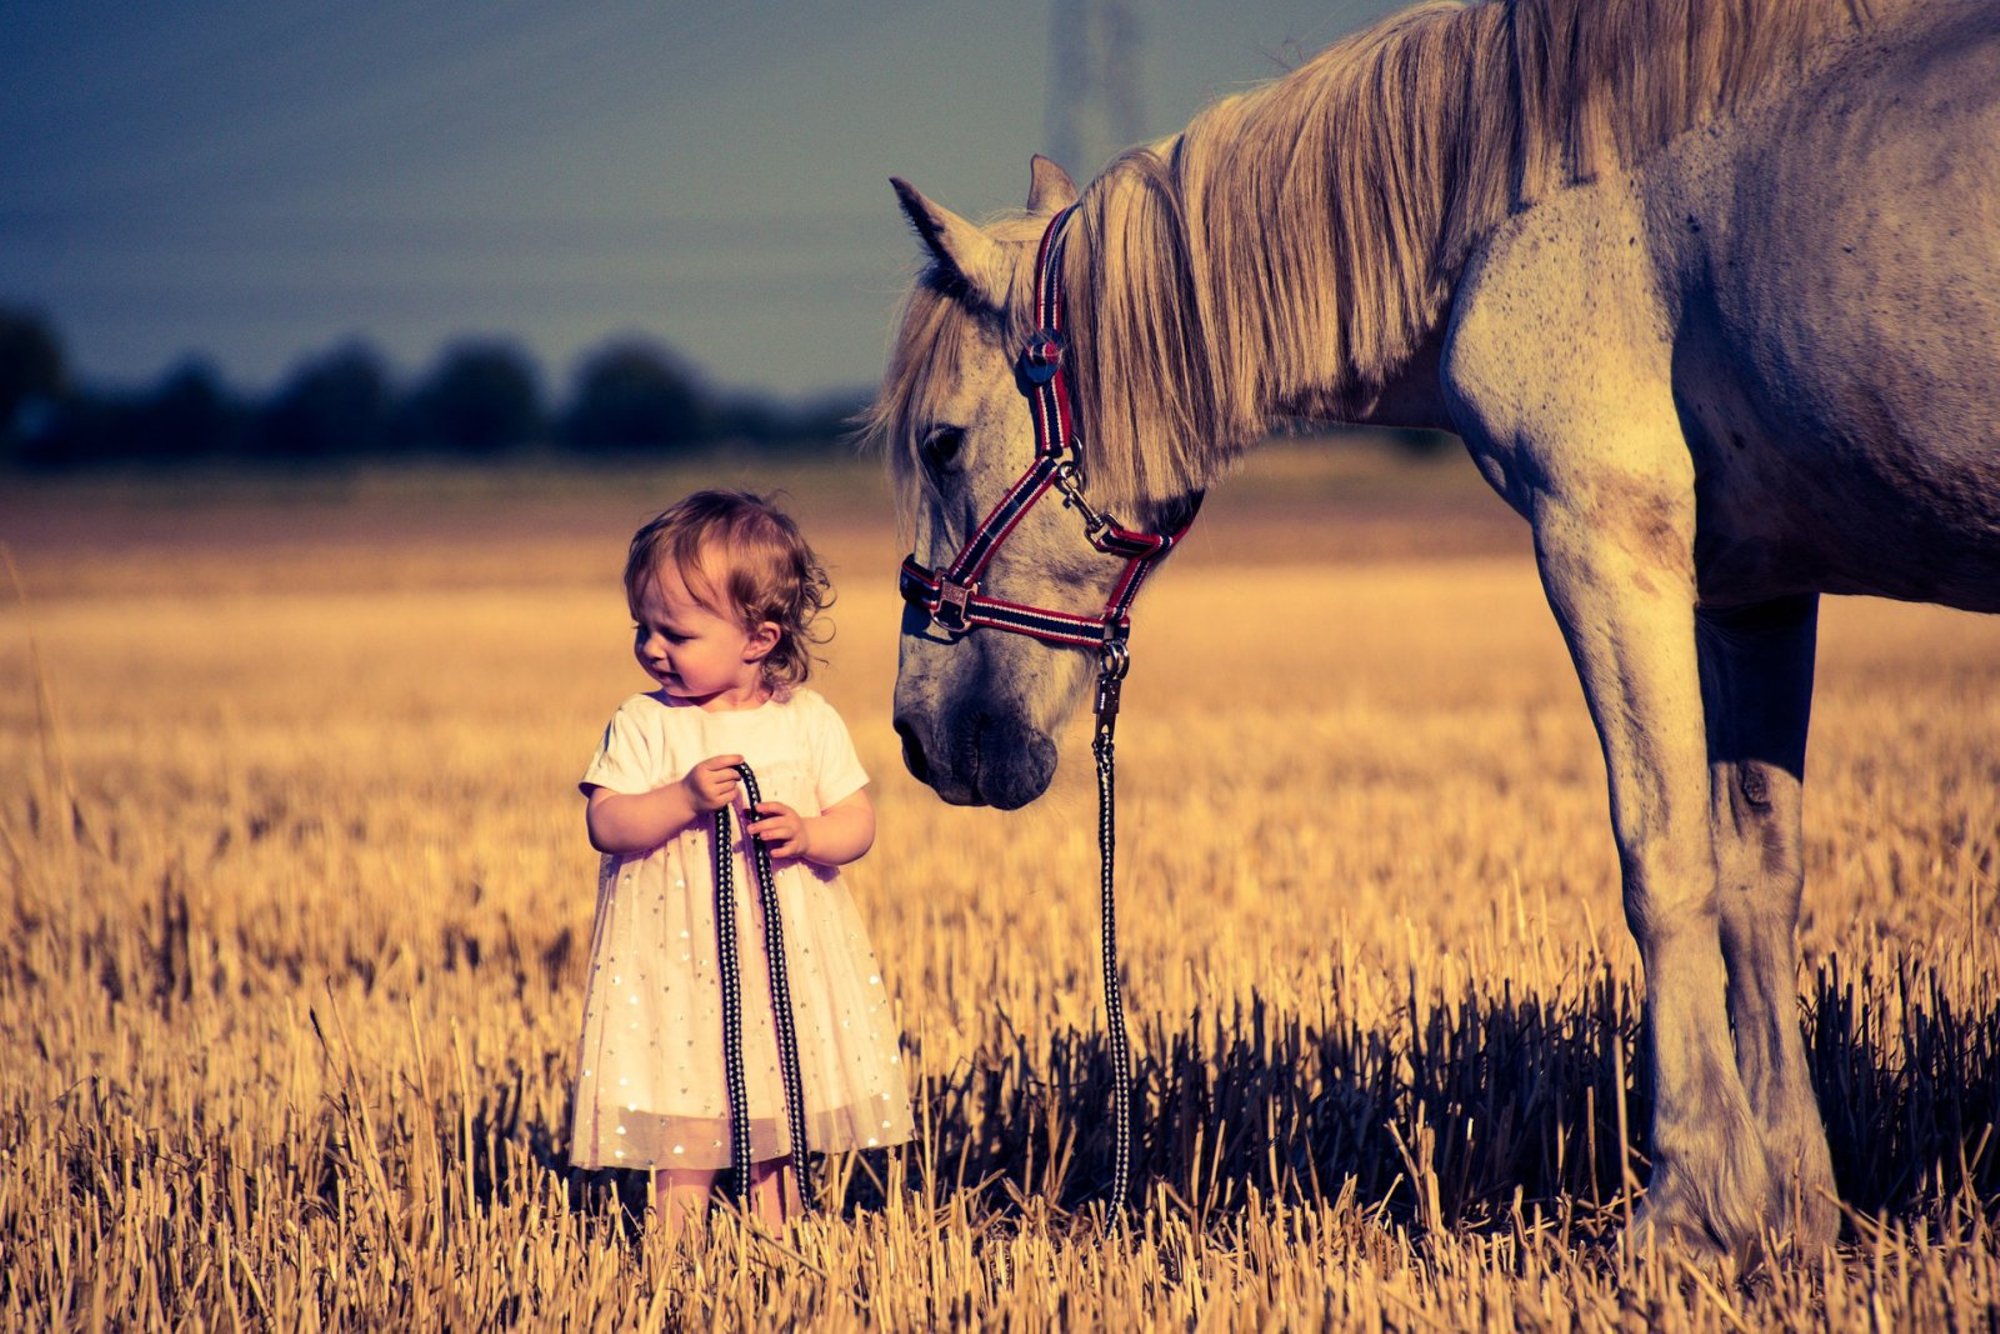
[{"x": 297, "y": 906}]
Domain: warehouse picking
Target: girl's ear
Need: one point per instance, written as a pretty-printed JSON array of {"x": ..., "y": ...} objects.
[{"x": 763, "y": 638}]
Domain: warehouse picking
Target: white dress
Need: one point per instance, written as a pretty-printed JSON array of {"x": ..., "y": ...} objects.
[{"x": 649, "y": 1085}]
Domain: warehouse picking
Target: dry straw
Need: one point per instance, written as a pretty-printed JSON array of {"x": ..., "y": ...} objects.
[{"x": 291, "y": 1038}]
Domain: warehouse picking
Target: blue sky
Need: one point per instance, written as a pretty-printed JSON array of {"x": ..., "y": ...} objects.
[{"x": 257, "y": 182}]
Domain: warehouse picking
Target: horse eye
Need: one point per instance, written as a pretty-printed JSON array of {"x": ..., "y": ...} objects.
[{"x": 942, "y": 444}]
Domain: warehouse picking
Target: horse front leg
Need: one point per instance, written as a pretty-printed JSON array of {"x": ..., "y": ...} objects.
[
  {"x": 1616, "y": 557},
  {"x": 1757, "y": 679}
]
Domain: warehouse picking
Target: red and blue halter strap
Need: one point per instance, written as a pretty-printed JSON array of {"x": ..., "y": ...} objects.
[{"x": 952, "y": 596}]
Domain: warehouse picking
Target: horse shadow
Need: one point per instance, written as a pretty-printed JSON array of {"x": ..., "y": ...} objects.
[{"x": 1473, "y": 1110}]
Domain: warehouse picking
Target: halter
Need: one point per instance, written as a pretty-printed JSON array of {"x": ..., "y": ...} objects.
[
  {"x": 957, "y": 606},
  {"x": 952, "y": 596}
]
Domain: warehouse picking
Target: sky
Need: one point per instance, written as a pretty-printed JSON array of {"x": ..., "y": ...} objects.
[{"x": 253, "y": 184}]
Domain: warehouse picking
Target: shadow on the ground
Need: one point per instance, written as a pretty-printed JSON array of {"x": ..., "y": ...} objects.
[{"x": 1438, "y": 1120}]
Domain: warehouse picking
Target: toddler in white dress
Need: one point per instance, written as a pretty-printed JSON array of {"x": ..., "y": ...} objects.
[{"x": 724, "y": 592}]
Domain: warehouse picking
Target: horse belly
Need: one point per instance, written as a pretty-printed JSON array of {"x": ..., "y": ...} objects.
[{"x": 1839, "y": 346}]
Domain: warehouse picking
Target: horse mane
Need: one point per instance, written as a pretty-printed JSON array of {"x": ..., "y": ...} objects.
[{"x": 1286, "y": 254}]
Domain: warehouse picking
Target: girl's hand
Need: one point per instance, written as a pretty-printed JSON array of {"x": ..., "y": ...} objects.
[
  {"x": 782, "y": 829},
  {"x": 712, "y": 784}
]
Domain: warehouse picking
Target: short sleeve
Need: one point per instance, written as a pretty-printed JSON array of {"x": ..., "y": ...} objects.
[
  {"x": 838, "y": 774},
  {"x": 631, "y": 754}
]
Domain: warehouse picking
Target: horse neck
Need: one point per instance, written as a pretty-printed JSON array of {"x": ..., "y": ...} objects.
[
  {"x": 1336, "y": 207},
  {"x": 1293, "y": 250}
]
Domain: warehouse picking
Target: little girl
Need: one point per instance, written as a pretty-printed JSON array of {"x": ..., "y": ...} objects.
[{"x": 724, "y": 591}]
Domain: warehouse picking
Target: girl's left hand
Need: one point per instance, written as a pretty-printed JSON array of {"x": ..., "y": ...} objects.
[{"x": 782, "y": 829}]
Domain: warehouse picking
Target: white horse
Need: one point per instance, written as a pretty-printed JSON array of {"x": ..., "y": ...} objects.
[{"x": 1711, "y": 290}]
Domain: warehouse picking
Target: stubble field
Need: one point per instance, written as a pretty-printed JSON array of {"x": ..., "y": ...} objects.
[{"x": 297, "y": 904}]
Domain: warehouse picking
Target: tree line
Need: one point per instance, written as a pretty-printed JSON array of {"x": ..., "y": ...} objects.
[{"x": 482, "y": 398}]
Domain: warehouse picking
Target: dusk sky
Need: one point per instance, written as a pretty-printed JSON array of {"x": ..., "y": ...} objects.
[{"x": 256, "y": 183}]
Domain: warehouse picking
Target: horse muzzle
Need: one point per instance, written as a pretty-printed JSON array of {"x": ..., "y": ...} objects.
[{"x": 977, "y": 758}]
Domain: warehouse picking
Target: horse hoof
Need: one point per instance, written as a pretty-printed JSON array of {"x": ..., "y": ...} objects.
[{"x": 1671, "y": 1226}]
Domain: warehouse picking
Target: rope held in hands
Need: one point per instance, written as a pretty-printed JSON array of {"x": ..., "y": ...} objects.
[
  {"x": 732, "y": 999},
  {"x": 1110, "y": 677}
]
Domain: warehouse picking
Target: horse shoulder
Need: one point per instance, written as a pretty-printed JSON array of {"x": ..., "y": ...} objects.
[{"x": 1558, "y": 365}]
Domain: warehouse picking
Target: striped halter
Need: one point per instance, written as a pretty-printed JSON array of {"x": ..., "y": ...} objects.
[{"x": 952, "y": 596}]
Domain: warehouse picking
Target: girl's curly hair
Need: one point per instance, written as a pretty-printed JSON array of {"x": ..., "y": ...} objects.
[{"x": 743, "y": 557}]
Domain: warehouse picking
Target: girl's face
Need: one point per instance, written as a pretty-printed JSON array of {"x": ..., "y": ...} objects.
[{"x": 696, "y": 653}]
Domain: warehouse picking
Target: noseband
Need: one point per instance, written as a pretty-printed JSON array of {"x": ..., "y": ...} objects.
[
  {"x": 952, "y": 596},
  {"x": 956, "y": 605}
]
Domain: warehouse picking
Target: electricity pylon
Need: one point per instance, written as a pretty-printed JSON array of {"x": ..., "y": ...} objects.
[{"x": 1094, "y": 62}]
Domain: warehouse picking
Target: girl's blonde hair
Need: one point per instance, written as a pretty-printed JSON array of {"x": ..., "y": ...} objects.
[{"x": 765, "y": 570}]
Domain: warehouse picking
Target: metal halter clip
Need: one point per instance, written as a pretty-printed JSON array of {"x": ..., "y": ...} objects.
[
  {"x": 1096, "y": 523},
  {"x": 949, "y": 613},
  {"x": 1113, "y": 662}
]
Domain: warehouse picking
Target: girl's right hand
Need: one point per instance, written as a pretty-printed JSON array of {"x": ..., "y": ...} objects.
[{"x": 712, "y": 784}]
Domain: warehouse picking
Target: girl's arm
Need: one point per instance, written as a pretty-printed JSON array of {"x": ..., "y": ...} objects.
[
  {"x": 624, "y": 822},
  {"x": 838, "y": 835}
]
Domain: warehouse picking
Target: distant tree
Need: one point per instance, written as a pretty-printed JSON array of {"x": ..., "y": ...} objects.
[
  {"x": 753, "y": 419},
  {"x": 34, "y": 377},
  {"x": 84, "y": 429},
  {"x": 333, "y": 404},
  {"x": 831, "y": 417},
  {"x": 483, "y": 397},
  {"x": 1419, "y": 443},
  {"x": 190, "y": 414},
  {"x": 632, "y": 394}
]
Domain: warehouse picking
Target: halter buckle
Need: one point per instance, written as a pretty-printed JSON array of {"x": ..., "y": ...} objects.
[
  {"x": 1041, "y": 357},
  {"x": 948, "y": 614}
]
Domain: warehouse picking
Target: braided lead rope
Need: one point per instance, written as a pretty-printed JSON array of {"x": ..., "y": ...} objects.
[
  {"x": 732, "y": 1001},
  {"x": 732, "y": 1006},
  {"x": 1110, "y": 677},
  {"x": 776, "y": 959}
]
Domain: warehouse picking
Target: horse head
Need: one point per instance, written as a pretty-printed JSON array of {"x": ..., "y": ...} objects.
[{"x": 978, "y": 709}]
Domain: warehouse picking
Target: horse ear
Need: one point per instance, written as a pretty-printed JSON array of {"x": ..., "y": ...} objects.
[
  {"x": 1051, "y": 188},
  {"x": 962, "y": 251}
]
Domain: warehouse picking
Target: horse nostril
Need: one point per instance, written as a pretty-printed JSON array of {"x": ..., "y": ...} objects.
[{"x": 913, "y": 752}]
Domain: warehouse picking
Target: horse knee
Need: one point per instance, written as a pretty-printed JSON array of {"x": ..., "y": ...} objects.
[{"x": 1669, "y": 890}]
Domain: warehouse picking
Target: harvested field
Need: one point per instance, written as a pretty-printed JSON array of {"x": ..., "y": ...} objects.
[{"x": 298, "y": 904}]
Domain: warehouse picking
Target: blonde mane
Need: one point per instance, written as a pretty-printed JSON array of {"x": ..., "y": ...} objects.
[{"x": 1287, "y": 253}]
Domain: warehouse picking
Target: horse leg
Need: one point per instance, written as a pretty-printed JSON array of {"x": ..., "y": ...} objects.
[
  {"x": 1757, "y": 675},
  {"x": 1559, "y": 373},
  {"x": 1616, "y": 556}
]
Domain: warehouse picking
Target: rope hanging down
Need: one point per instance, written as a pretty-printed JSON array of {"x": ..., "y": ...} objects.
[
  {"x": 1110, "y": 679},
  {"x": 732, "y": 1000}
]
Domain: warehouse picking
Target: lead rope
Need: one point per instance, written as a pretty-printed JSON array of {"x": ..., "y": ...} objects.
[
  {"x": 732, "y": 1001},
  {"x": 1110, "y": 678}
]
